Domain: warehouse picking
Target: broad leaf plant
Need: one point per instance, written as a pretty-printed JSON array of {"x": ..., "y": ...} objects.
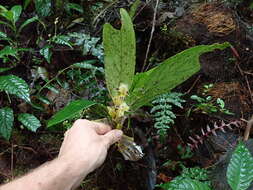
[{"x": 130, "y": 91}]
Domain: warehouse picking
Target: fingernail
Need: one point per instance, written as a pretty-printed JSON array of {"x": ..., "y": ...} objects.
[{"x": 118, "y": 133}]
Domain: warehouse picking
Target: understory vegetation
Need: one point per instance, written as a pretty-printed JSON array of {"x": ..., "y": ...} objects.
[{"x": 175, "y": 76}]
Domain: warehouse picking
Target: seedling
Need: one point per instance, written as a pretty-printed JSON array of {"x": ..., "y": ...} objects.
[{"x": 207, "y": 105}]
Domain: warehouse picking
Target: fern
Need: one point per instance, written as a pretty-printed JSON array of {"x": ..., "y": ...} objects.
[
  {"x": 88, "y": 44},
  {"x": 196, "y": 173},
  {"x": 190, "y": 179},
  {"x": 199, "y": 139},
  {"x": 162, "y": 111}
]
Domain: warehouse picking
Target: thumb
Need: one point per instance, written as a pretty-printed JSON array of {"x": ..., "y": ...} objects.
[{"x": 113, "y": 136}]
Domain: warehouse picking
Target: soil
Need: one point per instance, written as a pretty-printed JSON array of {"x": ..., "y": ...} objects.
[{"x": 230, "y": 71}]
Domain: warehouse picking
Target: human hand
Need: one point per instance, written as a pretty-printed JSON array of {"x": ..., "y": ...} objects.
[{"x": 86, "y": 143}]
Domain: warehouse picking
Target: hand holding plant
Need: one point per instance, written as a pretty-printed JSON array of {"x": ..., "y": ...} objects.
[{"x": 86, "y": 143}]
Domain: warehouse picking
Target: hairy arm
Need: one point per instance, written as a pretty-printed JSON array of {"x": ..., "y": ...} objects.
[{"x": 83, "y": 150}]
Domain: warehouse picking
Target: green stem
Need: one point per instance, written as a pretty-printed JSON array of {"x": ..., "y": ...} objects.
[{"x": 51, "y": 80}]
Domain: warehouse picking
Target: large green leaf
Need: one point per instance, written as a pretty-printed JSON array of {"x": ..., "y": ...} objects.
[
  {"x": 69, "y": 111},
  {"x": 15, "y": 85},
  {"x": 185, "y": 184},
  {"x": 8, "y": 51},
  {"x": 167, "y": 75},
  {"x": 16, "y": 11},
  {"x": 240, "y": 168},
  {"x": 119, "y": 48},
  {"x": 28, "y": 21},
  {"x": 43, "y": 7},
  {"x": 29, "y": 121},
  {"x": 6, "y": 122},
  {"x": 74, "y": 6}
]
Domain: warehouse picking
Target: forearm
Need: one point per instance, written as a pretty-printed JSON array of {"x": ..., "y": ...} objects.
[{"x": 57, "y": 175}]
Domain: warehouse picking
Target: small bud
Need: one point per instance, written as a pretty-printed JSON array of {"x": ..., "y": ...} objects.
[
  {"x": 124, "y": 107},
  {"x": 120, "y": 113},
  {"x": 112, "y": 112},
  {"x": 56, "y": 20},
  {"x": 117, "y": 100},
  {"x": 123, "y": 89}
]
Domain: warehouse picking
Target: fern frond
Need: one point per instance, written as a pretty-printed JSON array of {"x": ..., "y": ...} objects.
[
  {"x": 195, "y": 141},
  {"x": 162, "y": 110},
  {"x": 88, "y": 44}
]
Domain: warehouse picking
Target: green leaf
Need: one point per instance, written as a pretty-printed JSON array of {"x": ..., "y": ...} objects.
[
  {"x": 185, "y": 184},
  {"x": 46, "y": 52},
  {"x": 43, "y": 7},
  {"x": 88, "y": 65},
  {"x": 4, "y": 69},
  {"x": 43, "y": 99},
  {"x": 3, "y": 35},
  {"x": 62, "y": 40},
  {"x": 15, "y": 85},
  {"x": 8, "y": 51},
  {"x": 52, "y": 88},
  {"x": 220, "y": 102},
  {"x": 6, "y": 122},
  {"x": 29, "y": 121},
  {"x": 69, "y": 111},
  {"x": 119, "y": 48},
  {"x": 166, "y": 76},
  {"x": 197, "y": 98},
  {"x": 16, "y": 11},
  {"x": 75, "y": 7},
  {"x": 26, "y": 3},
  {"x": 8, "y": 15},
  {"x": 3, "y": 10},
  {"x": 134, "y": 8},
  {"x": 240, "y": 168},
  {"x": 28, "y": 21},
  {"x": 84, "y": 64}
]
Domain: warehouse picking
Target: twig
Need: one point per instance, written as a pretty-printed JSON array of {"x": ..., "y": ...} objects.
[
  {"x": 247, "y": 73},
  {"x": 248, "y": 128},
  {"x": 236, "y": 54},
  {"x": 249, "y": 89},
  {"x": 195, "y": 82},
  {"x": 57, "y": 75},
  {"x": 12, "y": 157},
  {"x": 151, "y": 37},
  {"x": 102, "y": 12}
]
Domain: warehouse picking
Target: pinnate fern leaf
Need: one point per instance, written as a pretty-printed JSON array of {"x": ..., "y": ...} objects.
[
  {"x": 12, "y": 84},
  {"x": 29, "y": 121},
  {"x": 240, "y": 168},
  {"x": 162, "y": 110},
  {"x": 6, "y": 122}
]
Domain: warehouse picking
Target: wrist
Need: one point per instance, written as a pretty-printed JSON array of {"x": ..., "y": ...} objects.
[{"x": 75, "y": 167}]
